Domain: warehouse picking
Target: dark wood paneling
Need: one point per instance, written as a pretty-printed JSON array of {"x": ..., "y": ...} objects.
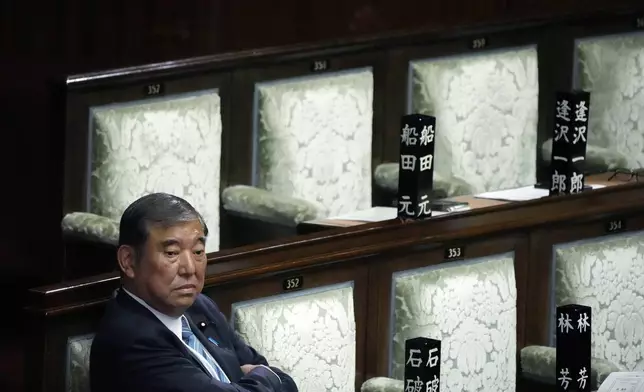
[
  {"x": 76, "y": 36},
  {"x": 80, "y": 102},
  {"x": 542, "y": 246},
  {"x": 368, "y": 255},
  {"x": 389, "y": 57},
  {"x": 398, "y": 72},
  {"x": 246, "y": 81},
  {"x": 356, "y": 272},
  {"x": 555, "y": 74},
  {"x": 557, "y": 8},
  {"x": 348, "y": 243},
  {"x": 423, "y": 256},
  {"x": 51, "y": 334}
]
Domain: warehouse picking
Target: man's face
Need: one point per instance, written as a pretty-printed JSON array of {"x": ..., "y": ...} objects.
[{"x": 169, "y": 274}]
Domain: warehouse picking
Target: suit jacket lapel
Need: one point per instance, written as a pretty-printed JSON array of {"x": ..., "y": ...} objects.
[
  {"x": 128, "y": 302},
  {"x": 212, "y": 349}
]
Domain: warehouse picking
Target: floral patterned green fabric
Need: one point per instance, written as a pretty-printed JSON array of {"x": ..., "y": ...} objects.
[
  {"x": 314, "y": 138},
  {"x": 77, "y": 377},
  {"x": 170, "y": 144},
  {"x": 611, "y": 68},
  {"x": 269, "y": 206},
  {"x": 471, "y": 308},
  {"x": 486, "y": 108},
  {"x": 607, "y": 274},
  {"x": 598, "y": 159},
  {"x": 539, "y": 362},
  {"x": 311, "y": 335},
  {"x": 86, "y": 226},
  {"x": 382, "y": 384},
  {"x": 386, "y": 177}
]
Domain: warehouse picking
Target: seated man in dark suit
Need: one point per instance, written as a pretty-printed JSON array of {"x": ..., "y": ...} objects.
[{"x": 160, "y": 333}]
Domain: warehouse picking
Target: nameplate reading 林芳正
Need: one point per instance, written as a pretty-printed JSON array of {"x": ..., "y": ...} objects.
[
  {"x": 293, "y": 283},
  {"x": 454, "y": 253},
  {"x": 154, "y": 89},
  {"x": 573, "y": 348},
  {"x": 615, "y": 226}
]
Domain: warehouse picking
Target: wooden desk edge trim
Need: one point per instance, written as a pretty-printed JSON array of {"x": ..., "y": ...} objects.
[
  {"x": 372, "y": 42},
  {"x": 302, "y": 253},
  {"x": 332, "y": 235}
]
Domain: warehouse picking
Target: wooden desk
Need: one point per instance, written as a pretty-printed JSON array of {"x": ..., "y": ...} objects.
[
  {"x": 368, "y": 255},
  {"x": 314, "y": 226}
]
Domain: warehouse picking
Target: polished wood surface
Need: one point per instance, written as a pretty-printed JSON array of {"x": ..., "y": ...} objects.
[
  {"x": 367, "y": 254},
  {"x": 473, "y": 201},
  {"x": 78, "y": 38}
]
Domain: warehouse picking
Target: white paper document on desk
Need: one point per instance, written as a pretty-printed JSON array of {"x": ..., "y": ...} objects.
[
  {"x": 520, "y": 194},
  {"x": 376, "y": 214},
  {"x": 623, "y": 382}
]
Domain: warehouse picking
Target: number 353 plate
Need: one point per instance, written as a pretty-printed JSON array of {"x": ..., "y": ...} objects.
[{"x": 454, "y": 252}]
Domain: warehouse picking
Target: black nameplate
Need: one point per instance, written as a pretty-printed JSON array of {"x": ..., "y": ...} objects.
[
  {"x": 454, "y": 253},
  {"x": 422, "y": 365},
  {"x": 320, "y": 65},
  {"x": 154, "y": 89},
  {"x": 479, "y": 43},
  {"x": 639, "y": 23},
  {"x": 574, "y": 325},
  {"x": 416, "y": 166},
  {"x": 615, "y": 225},
  {"x": 569, "y": 142},
  {"x": 293, "y": 283}
]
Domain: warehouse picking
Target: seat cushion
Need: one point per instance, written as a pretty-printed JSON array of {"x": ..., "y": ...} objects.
[
  {"x": 172, "y": 145},
  {"x": 311, "y": 335},
  {"x": 471, "y": 308},
  {"x": 607, "y": 274},
  {"x": 314, "y": 139},
  {"x": 486, "y": 109},
  {"x": 612, "y": 69}
]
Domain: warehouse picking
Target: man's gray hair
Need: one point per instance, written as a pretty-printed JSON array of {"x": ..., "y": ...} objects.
[{"x": 156, "y": 209}]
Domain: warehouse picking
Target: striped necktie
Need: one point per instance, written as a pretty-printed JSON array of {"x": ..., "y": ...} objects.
[{"x": 191, "y": 340}]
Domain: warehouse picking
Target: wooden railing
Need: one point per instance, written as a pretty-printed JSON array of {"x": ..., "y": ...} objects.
[
  {"x": 236, "y": 75},
  {"x": 368, "y": 255}
]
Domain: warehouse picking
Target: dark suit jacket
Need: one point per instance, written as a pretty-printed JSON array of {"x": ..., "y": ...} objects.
[{"x": 134, "y": 352}]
